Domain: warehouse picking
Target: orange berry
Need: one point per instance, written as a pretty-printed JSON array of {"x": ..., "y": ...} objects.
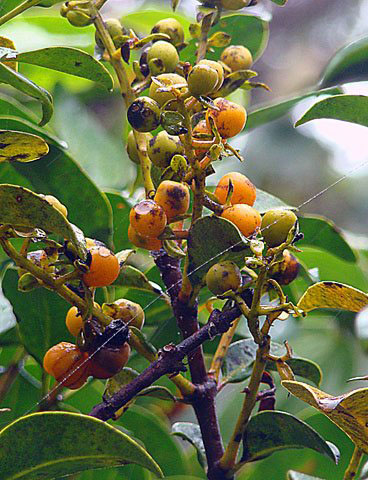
[
  {"x": 148, "y": 243},
  {"x": 66, "y": 363},
  {"x": 245, "y": 217},
  {"x": 205, "y": 142},
  {"x": 148, "y": 218},
  {"x": 243, "y": 189},
  {"x": 74, "y": 320},
  {"x": 173, "y": 197},
  {"x": 104, "y": 268},
  {"x": 107, "y": 362},
  {"x": 230, "y": 119}
]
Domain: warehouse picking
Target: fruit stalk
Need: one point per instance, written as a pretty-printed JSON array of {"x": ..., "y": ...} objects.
[{"x": 18, "y": 10}]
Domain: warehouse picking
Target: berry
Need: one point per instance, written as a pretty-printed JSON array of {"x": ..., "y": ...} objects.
[
  {"x": 237, "y": 57},
  {"x": 235, "y": 4},
  {"x": 219, "y": 69},
  {"x": 230, "y": 119},
  {"x": 104, "y": 268},
  {"x": 246, "y": 218},
  {"x": 173, "y": 197},
  {"x": 223, "y": 276},
  {"x": 74, "y": 320},
  {"x": 148, "y": 218},
  {"x": 78, "y": 18},
  {"x": 132, "y": 149},
  {"x": 115, "y": 30},
  {"x": 56, "y": 204},
  {"x": 140, "y": 241},
  {"x": 144, "y": 114},
  {"x": 243, "y": 189},
  {"x": 171, "y": 27},
  {"x": 166, "y": 52},
  {"x": 167, "y": 79},
  {"x": 276, "y": 225},
  {"x": 107, "y": 361},
  {"x": 66, "y": 363},
  {"x": 202, "y": 80},
  {"x": 202, "y": 129},
  {"x": 129, "y": 312},
  {"x": 286, "y": 271},
  {"x": 163, "y": 147}
]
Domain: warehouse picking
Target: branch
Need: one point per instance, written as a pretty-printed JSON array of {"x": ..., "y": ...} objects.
[{"x": 170, "y": 361}]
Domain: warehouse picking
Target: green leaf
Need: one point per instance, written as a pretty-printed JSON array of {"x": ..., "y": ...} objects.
[
  {"x": 259, "y": 115},
  {"x": 333, "y": 295},
  {"x": 349, "y": 64},
  {"x": 115, "y": 383},
  {"x": 131, "y": 277},
  {"x": 348, "y": 108},
  {"x": 70, "y": 443},
  {"x": 22, "y": 207},
  {"x": 270, "y": 431},
  {"x": 24, "y": 85},
  {"x": 226, "y": 243},
  {"x": 157, "y": 391},
  {"x": 192, "y": 434},
  {"x": 11, "y": 107},
  {"x": 21, "y": 147},
  {"x": 247, "y": 30},
  {"x": 280, "y": 2},
  {"x": 120, "y": 213},
  {"x": 324, "y": 234},
  {"x": 265, "y": 201},
  {"x": 293, "y": 475}
]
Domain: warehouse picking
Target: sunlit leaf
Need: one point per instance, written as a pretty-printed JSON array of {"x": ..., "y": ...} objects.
[
  {"x": 192, "y": 434},
  {"x": 21, "y": 147},
  {"x": 293, "y": 475},
  {"x": 333, "y": 295}
]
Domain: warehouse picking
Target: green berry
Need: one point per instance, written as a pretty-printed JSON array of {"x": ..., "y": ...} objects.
[
  {"x": 167, "y": 79},
  {"x": 79, "y": 18},
  {"x": 223, "y": 276},
  {"x": 144, "y": 114},
  {"x": 171, "y": 27},
  {"x": 115, "y": 30},
  {"x": 166, "y": 52},
  {"x": 219, "y": 69},
  {"x": 202, "y": 80},
  {"x": 237, "y": 57},
  {"x": 276, "y": 225},
  {"x": 132, "y": 149},
  {"x": 163, "y": 147}
]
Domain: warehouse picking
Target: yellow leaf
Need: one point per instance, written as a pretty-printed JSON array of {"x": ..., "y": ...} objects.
[
  {"x": 349, "y": 411},
  {"x": 333, "y": 295},
  {"x": 21, "y": 147},
  {"x": 7, "y": 43}
]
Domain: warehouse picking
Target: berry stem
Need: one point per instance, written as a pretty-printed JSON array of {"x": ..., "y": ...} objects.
[{"x": 18, "y": 10}]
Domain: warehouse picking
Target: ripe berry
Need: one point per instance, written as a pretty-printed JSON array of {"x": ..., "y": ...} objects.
[
  {"x": 171, "y": 27},
  {"x": 66, "y": 363},
  {"x": 132, "y": 149},
  {"x": 223, "y": 276},
  {"x": 246, "y": 218},
  {"x": 243, "y": 189},
  {"x": 166, "y": 52},
  {"x": 74, "y": 320},
  {"x": 56, "y": 204},
  {"x": 148, "y": 218},
  {"x": 201, "y": 132},
  {"x": 230, "y": 119},
  {"x": 104, "y": 268},
  {"x": 202, "y": 80},
  {"x": 173, "y": 197},
  {"x": 140, "y": 241},
  {"x": 237, "y": 57},
  {"x": 129, "y": 312},
  {"x": 219, "y": 69},
  {"x": 162, "y": 147},
  {"x": 235, "y": 4},
  {"x": 107, "y": 361},
  {"x": 167, "y": 79},
  {"x": 144, "y": 114},
  {"x": 276, "y": 224},
  {"x": 287, "y": 270}
]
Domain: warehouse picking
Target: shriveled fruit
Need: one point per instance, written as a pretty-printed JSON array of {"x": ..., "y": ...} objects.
[
  {"x": 171, "y": 27},
  {"x": 108, "y": 361},
  {"x": 166, "y": 52},
  {"x": 167, "y": 79},
  {"x": 56, "y": 204},
  {"x": 245, "y": 217},
  {"x": 276, "y": 225},
  {"x": 223, "y": 276},
  {"x": 287, "y": 270},
  {"x": 132, "y": 149},
  {"x": 67, "y": 364},
  {"x": 219, "y": 69},
  {"x": 144, "y": 114},
  {"x": 173, "y": 197},
  {"x": 202, "y": 80},
  {"x": 229, "y": 119},
  {"x": 237, "y": 57},
  {"x": 162, "y": 147},
  {"x": 130, "y": 312},
  {"x": 243, "y": 189},
  {"x": 140, "y": 241},
  {"x": 148, "y": 218},
  {"x": 235, "y": 4},
  {"x": 104, "y": 268}
]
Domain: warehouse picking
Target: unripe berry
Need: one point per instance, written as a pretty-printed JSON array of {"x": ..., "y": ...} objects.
[
  {"x": 144, "y": 114},
  {"x": 287, "y": 270},
  {"x": 162, "y": 147},
  {"x": 243, "y": 189},
  {"x": 223, "y": 276},
  {"x": 148, "y": 218},
  {"x": 246, "y": 218},
  {"x": 219, "y": 69},
  {"x": 104, "y": 268},
  {"x": 115, "y": 30},
  {"x": 132, "y": 149},
  {"x": 229, "y": 119},
  {"x": 276, "y": 225},
  {"x": 171, "y": 27},
  {"x": 129, "y": 312},
  {"x": 167, "y": 79},
  {"x": 140, "y": 241},
  {"x": 237, "y": 57},
  {"x": 166, "y": 52},
  {"x": 173, "y": 197},
  {"x": 202, "y": 80},
  {"x": 79, "y": 18}
]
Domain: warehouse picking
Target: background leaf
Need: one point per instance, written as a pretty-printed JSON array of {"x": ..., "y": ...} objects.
[
  {"x": 293, "y": 475},
  {"x": 192, "y": 434},
  {"x": 21, "y": 147},
  {"x": 266, "y": 201}
]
